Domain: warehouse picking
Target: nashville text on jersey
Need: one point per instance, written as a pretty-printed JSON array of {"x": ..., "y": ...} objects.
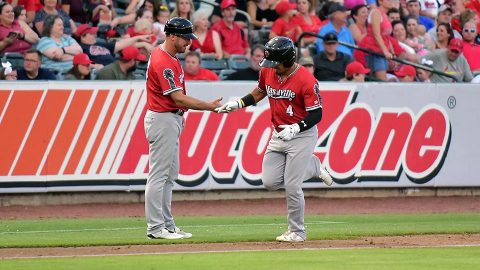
[{"x": 280, "y": 93}]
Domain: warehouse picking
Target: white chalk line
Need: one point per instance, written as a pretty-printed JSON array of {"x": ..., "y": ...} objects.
[
  {"x": 233, "y": 251},
  {"x": 187, "y": 226}
]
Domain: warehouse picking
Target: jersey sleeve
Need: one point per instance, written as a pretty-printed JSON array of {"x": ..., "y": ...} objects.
[
  {"x": 261, "y": 80},
  {"x": 311, "y": 96},
  {"x": 168, "y": 77}
]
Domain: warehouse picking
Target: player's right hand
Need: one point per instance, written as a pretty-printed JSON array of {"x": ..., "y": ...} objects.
[{"x": 229, "y": 107}]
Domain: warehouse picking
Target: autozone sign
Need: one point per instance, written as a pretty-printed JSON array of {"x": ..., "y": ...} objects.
[
  {"x": 354, "y": 142},
  {"x": 94, "y": 134}
]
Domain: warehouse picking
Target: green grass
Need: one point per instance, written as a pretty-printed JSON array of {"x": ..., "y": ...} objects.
[
  {"x": 131, "y": 231},
  {"x": 351, "y": 259}
]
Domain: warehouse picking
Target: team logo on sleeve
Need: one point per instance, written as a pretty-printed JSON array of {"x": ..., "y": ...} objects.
[
  {"x": 317, "y": 92},
  {"x": 168, "y": 75}
]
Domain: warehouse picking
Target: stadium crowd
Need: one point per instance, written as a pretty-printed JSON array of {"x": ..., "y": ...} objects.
[{"x": 112, "y": 39}]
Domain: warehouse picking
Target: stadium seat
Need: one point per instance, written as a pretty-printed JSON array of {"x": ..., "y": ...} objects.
[
  {"x": 224, "y": 73},
  {"x": 16, "y": 59},
  {"x": 214, "y": 64},
  {"x": 237, "y": 61}
]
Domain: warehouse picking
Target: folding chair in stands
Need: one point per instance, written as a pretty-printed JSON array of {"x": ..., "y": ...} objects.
[
  {"x": 16, "y": 59},
  {"x": 224, "y": 73},
  {"x": 139, "y": 74},
  {"x": 237, "y": 61}
]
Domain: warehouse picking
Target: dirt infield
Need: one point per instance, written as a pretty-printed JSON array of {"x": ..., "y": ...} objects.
[{"x": 252, "y": 207}]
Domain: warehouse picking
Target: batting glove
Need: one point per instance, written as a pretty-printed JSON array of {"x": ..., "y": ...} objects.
[
  {"x": 229, "y": 106},
  {"x": 288, "y": 132}
]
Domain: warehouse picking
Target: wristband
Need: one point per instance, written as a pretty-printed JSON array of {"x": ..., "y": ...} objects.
[{"x": 247, "y": 100}]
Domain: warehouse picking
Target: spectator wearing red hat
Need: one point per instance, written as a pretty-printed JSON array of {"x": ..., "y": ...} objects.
[
  {"x": 284, "y": 25},
  {"x": 471, "y": 50},
  {"x": 105, "y": 55},
  {"x": 406, "y": 73},
  {"x": 451, "y": 61},
  {"x": 234, "y": 40},
  {"x": 123, "y": 68},
  {"x": 193, "y": 70},
  {"x": 355, "y": 72},
  {"x": 81, "y": 68}
]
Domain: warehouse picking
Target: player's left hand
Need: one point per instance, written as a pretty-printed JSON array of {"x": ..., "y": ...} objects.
[{"x": 288, "y": 132}]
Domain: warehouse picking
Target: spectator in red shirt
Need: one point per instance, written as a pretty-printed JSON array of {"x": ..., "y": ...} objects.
[
  {"x": 15, "y": 35},
  {"x": 471, "y": 50},
  {"x": 208, "y": 41},
  {"x": 234, "y": 40},
  {"x": 305, "y": 20},
  {"x": 285, "y": 26},
  {"x": 193, "y": 70},
  {"x": 32, "y": 6}
]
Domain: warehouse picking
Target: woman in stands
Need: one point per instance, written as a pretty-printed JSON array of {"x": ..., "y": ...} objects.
[
  {"x": 57, "y": 49},
  {"x": 262, "y": 12},
  {"x": 421, "y": 42},
  {"x": 183, "y": 9},
  {"x": 444, "y": 35},
  {"x": 15, "y": 35},
  {"x": 208, "y": 40},
  {"x": 378, "y": 39},
  {"x": 306, "y": 21},
  {"x": 358, "y": 27},
  {"x": 81, "y": 68},
  {"x": 50, "y": 8}
]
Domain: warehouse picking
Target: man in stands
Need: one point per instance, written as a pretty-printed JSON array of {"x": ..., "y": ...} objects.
[
  {"x": 32, "y": 60},
  {"x": 122, "y": 69},
  {"x": 250, "y": 73},
  {"x": 330, "y": 64},
  {"x": 450, "y": 61},
  {"x": 234, "y": 40},
  {"x": 193, "y": 70}
]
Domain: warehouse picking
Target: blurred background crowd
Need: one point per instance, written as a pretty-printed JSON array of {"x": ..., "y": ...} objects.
[{"x": 112, "y": 39}]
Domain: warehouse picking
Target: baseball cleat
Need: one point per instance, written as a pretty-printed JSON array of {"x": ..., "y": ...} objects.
[
  {"x": 184, "y": 233},
  {"x": 165, "y": 234},
  {"x": 289, "y": 236},
  {"x": 325, "y": 176}
]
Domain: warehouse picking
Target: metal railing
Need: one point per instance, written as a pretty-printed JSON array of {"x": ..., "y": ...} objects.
[{"x": 370, "y": 52}]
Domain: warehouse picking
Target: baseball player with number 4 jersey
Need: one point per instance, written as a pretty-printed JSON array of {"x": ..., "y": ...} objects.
[{"x": 296, "y": 107}]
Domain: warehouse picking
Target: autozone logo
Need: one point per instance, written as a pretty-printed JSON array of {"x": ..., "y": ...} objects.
[{"x": 355, "y": 143}]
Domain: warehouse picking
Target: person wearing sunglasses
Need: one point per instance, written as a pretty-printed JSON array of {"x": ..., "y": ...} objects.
[{"x": 471, "y": 50}]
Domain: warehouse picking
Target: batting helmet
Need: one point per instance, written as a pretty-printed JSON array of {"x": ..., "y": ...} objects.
[
  {"x": 278, "y": 50},
  {"x": 180, "y": 27}
]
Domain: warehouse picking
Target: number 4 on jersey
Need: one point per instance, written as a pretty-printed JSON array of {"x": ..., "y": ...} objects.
[{"x": 290, "y": 110}]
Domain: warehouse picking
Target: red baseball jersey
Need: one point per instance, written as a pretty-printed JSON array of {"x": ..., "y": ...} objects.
[
  {"x": 291, "y": 98},
  {"x": 164, "y": 76}
]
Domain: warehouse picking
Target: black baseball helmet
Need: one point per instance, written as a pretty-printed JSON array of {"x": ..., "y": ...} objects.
[
  {"x": 278, "y": 50},
  {"x": 180, "y": 27}
]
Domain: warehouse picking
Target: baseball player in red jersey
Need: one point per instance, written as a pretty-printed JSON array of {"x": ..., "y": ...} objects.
[
  {"x": 166, "y": 103},
  {"x": 296, "y": 107}
]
